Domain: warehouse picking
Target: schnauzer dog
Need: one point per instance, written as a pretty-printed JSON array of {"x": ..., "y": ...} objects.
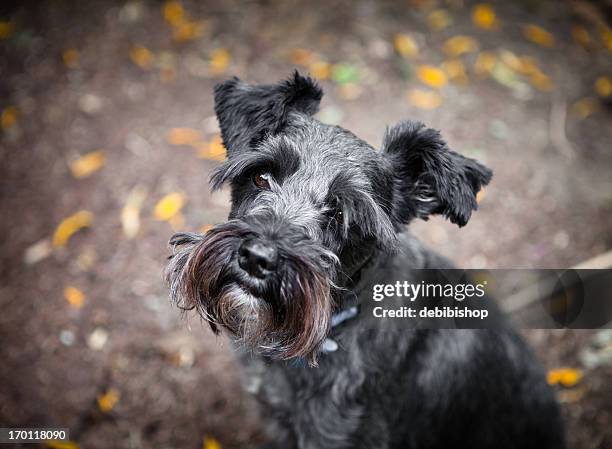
[{"x": 316, "y": 214}]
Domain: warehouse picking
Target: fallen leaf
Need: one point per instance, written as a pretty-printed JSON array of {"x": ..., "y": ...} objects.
[
  {"x": 142, "y": 56},
  {"x": 432, "y": 76},
  {"x": 70, "y": 225},
  {"x": 88, "y": 164},
  {"x": 424, "y": 99},
  {"x": 603, "y": 86},
  {"x": 108, "y": 400},
  {"x": 74, "y": 296},
  {"x": 539, "y": 36},
  {"x": 439, "y": 19},
  {"x": 6, "y": 29},
  {"x": 219, "y": 60},
  {"x": 455, "y": 68},
  {"x": 344, "y": 74},
  {"x": 302, "y": 56},
  {"x": 71, "y": 58},
  {"x": 458, "y": 45},
  {"x": 503, "y": 75},
  {"x": 184, "y": 136},
  {"x": 210, "y": 443},
  {"x": 484, "y": 17},
  {"x": 541, "y": 81},
  {"x": 174, "y": 13},
  {"x": 606, "y": 38},
  {"x": 169, "y": 206},
  {"x": 525, "y": 65},
  {"x": 320, "y": 70},
  {"x": 62, "y": 444},
  {"x": 8, "y": 117},
  {"x": 188, "y": 31},
  {"x": 581, "y": 35},
  {"x": 585, "y": 107},
  {"x": 213, "y": 150},
  {"x": 485, "y": 63},
  {"x": 566, "y": 377},
  {"x": 130, "y": 214},
  {"x": 405, "y": 46},
  {"x": 37, "y": 252}
]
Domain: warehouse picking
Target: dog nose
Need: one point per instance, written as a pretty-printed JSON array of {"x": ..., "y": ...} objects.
[{"x": 258, "y": 258}]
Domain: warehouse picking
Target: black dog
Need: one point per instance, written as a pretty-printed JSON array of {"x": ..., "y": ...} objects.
[{"x": 316, "y": 214}]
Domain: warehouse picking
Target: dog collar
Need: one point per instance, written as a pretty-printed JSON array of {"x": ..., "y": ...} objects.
[{"x": 329, "y": 344}]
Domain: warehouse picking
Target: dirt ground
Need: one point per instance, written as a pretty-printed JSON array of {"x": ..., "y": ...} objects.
[{"x": 119, "y": 365}]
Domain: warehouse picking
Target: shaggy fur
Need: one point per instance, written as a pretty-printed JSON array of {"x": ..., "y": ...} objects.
[{"x": 317, "y": 215}]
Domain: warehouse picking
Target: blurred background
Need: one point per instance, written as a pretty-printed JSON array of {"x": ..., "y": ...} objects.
[{"x": 108, "y": 135}]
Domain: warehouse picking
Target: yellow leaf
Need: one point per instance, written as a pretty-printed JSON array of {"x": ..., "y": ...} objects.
[
  {"x": 458, "y": 45},
  {"x": 87, "y": 164},
  {"x": 108, "y": 400},
  {"x": 70, "y": 225},
  {"x": 424, "y": 99},
  {"x": 603, "y": 86},
  {"x": 405, "y": 46},
  {"x": 210, "y": 443},
  {"x": 6, "y": 29},
  {"x": 142, "y": 56},
  {"x": 301, "y": 56},
  {"x": 174, "y": 13},
  {"x": 485, "y": 63},
  {"x": 62, "y": 444},
  {"x": 581, "y": 35},
  {"x": 585, "y": 107},
  {"x": 188, "y": 31},
  {"x": 8, "y": 117},
  {"x": 213, "y": 150},
  {"x": 456, "y": 71},
  {"x": 130, "y": 214},
  {"x": 219, "y": 60},
  {"x": 541, "y": 81},
  {"x": 432, "y": 76},
  {"x": 566, "y": 377},
  {"x": 484, "y": 16},
  {"x": 320, "y": 69},
  {"x": 74, "y": 296},
  {"x": 606, "y": 37},
  {"x": 439, "y": 19},
  {"x": 539, "y": 36},
  {"x": 184, "y": 136},
  {"x": 71, "y": 58},
  {"x": 169, "y": 206}
]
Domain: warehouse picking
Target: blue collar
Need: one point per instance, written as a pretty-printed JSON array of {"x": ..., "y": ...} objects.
[{"x": 329, "y": 344}]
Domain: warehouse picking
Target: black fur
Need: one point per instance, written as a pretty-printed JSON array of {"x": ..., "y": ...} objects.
[{"x": 332, "y": 210}]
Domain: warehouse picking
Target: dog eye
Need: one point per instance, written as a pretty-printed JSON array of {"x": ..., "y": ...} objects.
[{"x": 262, "y": 180}]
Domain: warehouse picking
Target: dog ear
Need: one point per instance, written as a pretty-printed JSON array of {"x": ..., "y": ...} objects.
[
  {"x": 429, "y": 178},
  {"x": 247, "y": 113}
]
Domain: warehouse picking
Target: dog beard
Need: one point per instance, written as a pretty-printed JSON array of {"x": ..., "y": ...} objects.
[{"x": 285, "y": 316}]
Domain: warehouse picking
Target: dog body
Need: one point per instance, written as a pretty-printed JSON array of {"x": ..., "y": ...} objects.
[
  {"x": 317, "y": 214},
  {"x": 388, "y": 387}
]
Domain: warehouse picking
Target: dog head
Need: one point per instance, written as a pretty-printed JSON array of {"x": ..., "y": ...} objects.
[{"x": 311, "y": 203}]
